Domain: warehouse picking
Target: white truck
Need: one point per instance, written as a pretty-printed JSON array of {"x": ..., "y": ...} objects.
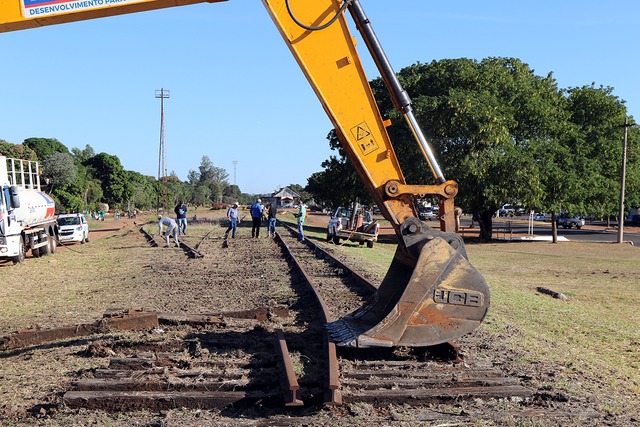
[
  {"x": 27, "y": 215},
  {"x": 355, "y": 225}
]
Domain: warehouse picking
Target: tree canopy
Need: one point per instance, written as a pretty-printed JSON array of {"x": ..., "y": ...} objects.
[{"x": 506, "y": 135}]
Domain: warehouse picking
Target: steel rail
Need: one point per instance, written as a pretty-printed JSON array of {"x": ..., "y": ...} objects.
[
  {"x": 290, "y": 386},
  {"x": 357, "y": 277},
  {"x": 193, "y": 252},
  {"x": 332, "y": 394}
]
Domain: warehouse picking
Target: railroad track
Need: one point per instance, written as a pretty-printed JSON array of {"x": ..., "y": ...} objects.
[
  {"x": 240, "y": 360},
  {"x": 383, "y": 376}
]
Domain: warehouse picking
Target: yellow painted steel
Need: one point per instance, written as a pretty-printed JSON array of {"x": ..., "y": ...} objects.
[
  {"x": 15, "y": 16},
  {"x": 330, "y": 61}
]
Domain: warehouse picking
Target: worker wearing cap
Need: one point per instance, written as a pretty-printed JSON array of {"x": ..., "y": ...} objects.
[
  {"x": 232, "y": 216},
  {"x": 172, "y": 229}
]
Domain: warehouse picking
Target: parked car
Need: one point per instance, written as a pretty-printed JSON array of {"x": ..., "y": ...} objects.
[
  {"x": 539, "y": 217},
  {"x": 73, "y": 228},
  {"x": 425, "y": 213},
  {"x": 506, "y": 210},
  {"x": 568, "y": 221}
]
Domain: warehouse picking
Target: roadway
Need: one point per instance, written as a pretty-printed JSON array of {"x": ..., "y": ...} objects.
[{"x": 591, "y": 232}]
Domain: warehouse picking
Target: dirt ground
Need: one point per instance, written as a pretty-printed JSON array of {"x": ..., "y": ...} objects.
[{"x": 119, "y": 269}]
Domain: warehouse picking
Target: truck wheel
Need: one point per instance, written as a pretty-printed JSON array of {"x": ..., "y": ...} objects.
[
  {"x": 578, "y": 227},
  {"x": 86, "y": 238},
  {"x": 35, "y": 252},
  {"x": 53, "y": 244},
  {"x": 44, "y": 237},
  {"x": 336, "y": 240},
  {"x": 369, "y": 244},
  {"x": 21, "y": 252},
  {"x": 44, "y": 250}
]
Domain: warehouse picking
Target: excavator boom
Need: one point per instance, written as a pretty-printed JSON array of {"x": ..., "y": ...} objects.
[{"x": 431, "y": 293}]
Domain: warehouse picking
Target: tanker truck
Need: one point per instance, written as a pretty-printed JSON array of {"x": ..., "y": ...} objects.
[{"x": 27, "y": 221}]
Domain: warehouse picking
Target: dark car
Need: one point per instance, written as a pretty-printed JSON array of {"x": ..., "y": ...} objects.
[
  {"x": 568, "y": 221},
  {"x": 425, "y": 213}
]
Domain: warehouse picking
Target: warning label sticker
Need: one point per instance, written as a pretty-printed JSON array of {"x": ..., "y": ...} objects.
[{"x": 364, "y": 138}]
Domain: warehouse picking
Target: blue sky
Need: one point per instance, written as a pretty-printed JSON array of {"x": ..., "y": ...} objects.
[{"x": 236, "y": 94}]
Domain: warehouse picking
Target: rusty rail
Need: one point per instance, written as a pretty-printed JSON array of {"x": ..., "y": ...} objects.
[
  {"x": 127, "y": 320},
  {"x": 149, "y": 237},
  {"x": 193, "y": 252},
  {"x": 290, "y": 386},
  {"x": 358, "y": 278},
  {"x": 332, "y": 394}
]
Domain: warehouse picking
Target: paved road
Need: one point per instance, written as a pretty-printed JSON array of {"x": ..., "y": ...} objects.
[{"x": 592, "y": 232}]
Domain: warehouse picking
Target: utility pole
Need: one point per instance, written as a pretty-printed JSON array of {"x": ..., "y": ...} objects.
[
  {"x": 235, "y": 162},
  {"x": 162, "y": 155},
  {"x": 622, "y": 181}
]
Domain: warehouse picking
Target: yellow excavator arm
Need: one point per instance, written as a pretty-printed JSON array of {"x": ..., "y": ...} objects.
[{"x": 431, "y": 293}]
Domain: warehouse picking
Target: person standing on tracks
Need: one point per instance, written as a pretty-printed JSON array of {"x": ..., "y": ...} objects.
[
  {"x": 232, "y": 216},
  {"x": 271, "y": 215},
  {"x": 256, "y": 217},
  {"x": 301, "y": 215},
  {"x": 181, "y": 216},
  {"x": 172, "y": 229}
]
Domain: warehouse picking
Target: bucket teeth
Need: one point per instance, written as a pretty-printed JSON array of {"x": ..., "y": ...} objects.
[
  {"x": 340, "y": 332},
  {"x": 439, "y": 299}
]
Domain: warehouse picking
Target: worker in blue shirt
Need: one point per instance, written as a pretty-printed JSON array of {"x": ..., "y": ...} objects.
[{"x": 256, "y": 217}]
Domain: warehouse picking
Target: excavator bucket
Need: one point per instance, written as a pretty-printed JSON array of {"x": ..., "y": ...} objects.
[{"x": 430, "y": 295}]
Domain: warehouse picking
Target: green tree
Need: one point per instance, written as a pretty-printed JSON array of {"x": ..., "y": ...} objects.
[
  {"x": 215, "y": 178},
  {"x": 231, "y": 194},
  {"x": 67, "y": 202},
  {"x": 305, "y": 196},
  {"x": 45, "y": 147},
  {"x": 109, "y": 171},
  {"x": 143, "y": 191},
  {"x": 597, "y": 149},
  {"x": 16, "y": 151},
  {"x": 483, "y": 119},
  {"x": 59, "y": 169},
  {"x": 83, "y": 155}
]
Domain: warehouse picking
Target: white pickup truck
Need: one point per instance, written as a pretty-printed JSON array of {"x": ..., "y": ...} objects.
[{"x": 360, "y": 227}]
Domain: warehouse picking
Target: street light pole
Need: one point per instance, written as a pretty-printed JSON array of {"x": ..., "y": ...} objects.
[{"x": 622, "y": 181}]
